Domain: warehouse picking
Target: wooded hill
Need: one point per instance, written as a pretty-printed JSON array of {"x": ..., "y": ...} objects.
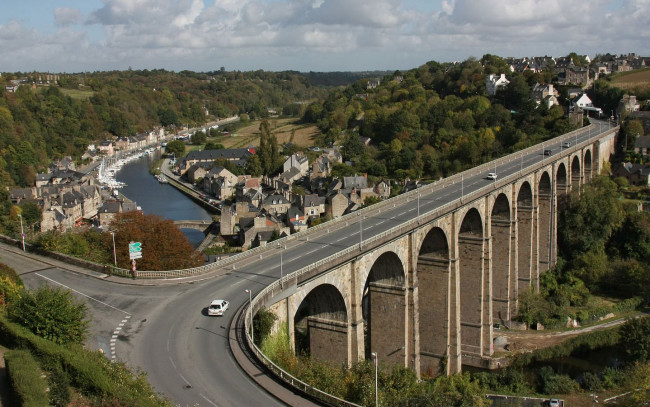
[{"x": 437, "y": 119}]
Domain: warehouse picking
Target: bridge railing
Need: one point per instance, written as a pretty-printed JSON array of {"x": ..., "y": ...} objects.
[
  {"x": 376, "y": 208},
  {"x": 266, "y": 295},
  {"x": 269, "y": 292}
]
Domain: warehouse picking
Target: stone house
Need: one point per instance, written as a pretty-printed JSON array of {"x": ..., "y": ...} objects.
[
  {"x": 337, "y": 204},
  {"x": 296, "y": 220},
  {"x": 230, "y": 215},
  {"x": 313, "y": 205},
  {"x": 642, "y": 145},
  {"x": 195, "y": 173},
  {"x": 495, "y": 82},
  {"x": 628, "y": 104},
  {"x": 356, "y": 181},
  {"x": 636, "y": 174},
  {"x": 545, "y": 93},
  {"x": 576, "y": 75},
  {"x": 382, "y": 189},
  {"x": 299, "y": 161},
  {"x": 263, "y": 222},
  {"x": 238, "y": 156},
  {"x": 109, "y": 209},
  {"x": 106, "y": 147},
  {"x": 276, "y": 204},
  {"x": 321, "y": 167},
  {"x": 220, "y": 182}
]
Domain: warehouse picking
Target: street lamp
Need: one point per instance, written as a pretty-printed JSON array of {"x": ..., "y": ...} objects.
[
  {"x": 374, "y": 356},
  {"x": 22, "y": 232},
  {"x": 250, "y": 310},
  {"x": 114, "y": 252}
]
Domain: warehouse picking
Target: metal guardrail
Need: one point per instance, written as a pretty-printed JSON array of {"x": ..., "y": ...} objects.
[
  {"x": 280, "y": 373},
  {"x": 376, "y": 208},
  {"x": 274, "y": 289}
]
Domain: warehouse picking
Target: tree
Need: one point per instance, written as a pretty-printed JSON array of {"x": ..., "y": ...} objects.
[
  {"x": 635, "y": 339},
  {"x": 164, "y": 246},
  {"x": 591, "y": 218},
  {"x": 268, "y": 152},
  {"x": 198, "y": 138},
  {"x": 51, "y": 313},
  {"x": 210, "y": 145},
  {"x": 175, "y": 147},
  {"x": 253, "y": 166}
]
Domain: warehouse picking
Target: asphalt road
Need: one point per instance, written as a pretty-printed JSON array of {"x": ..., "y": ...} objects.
[{"x": 164, "y": 329}]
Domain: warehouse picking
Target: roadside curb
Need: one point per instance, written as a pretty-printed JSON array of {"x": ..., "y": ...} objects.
[{"x": 258, "y": 372}]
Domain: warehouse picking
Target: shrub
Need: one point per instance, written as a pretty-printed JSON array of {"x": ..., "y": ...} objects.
[
  {"x": 590, "y": 381},
  {"x": 560, "y": 384},
  {"x": 102, "y": 382},
  {"x": 51, "y": 313}
]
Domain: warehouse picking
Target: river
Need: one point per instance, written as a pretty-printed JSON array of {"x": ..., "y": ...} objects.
[{"x": 160, "y": 199}]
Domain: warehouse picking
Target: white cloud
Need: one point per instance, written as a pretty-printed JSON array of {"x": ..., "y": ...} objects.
[
  {"x": 332, "y": 34},
  {"x": 67, "y": 16}
]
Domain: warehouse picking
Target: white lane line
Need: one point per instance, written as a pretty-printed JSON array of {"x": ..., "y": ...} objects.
[
  {"x": 208, "y": 400},
  {"x": 82, "y": 294}
]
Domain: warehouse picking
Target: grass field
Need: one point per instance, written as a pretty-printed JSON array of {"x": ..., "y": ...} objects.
[
  {"x": 73, "y": 93},
  {"x": 285, "y": 130},
  {"x": 633, "y": 79}
]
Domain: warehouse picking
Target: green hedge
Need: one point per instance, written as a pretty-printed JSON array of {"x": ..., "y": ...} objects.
[
  {"x": 26, "y": 378},
  {"x": 90, "y": 372}
]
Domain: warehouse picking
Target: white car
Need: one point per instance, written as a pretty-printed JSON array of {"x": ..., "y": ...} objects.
[
  {"x": 217, "y": 307},
  {"x": 492, "y": 175},
  {"x": 566, "y": 144}
]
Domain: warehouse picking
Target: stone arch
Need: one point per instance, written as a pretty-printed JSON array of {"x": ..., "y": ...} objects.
[
  {"x": 525, "y": 211},
  {"x": 545, "y": 220},
  {"x": 320, "y": 325},
  {"x": 575, "y": 174},
  {"x": 433, "y": 271},
  {"x": 470, "y": 260},
  {"x": 588, "y": 166},
  {"x": 384, "y": 309},
  {"x": 501, "y": 231}
]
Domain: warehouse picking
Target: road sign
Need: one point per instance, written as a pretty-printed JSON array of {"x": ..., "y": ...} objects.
[{"x": 135, "y": 250}]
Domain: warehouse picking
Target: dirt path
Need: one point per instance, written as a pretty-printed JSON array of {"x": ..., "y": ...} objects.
[{"x": 523, "y": 341}]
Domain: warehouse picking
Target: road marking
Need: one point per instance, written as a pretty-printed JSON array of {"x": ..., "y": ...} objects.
[
  {"x": 116, "y": 334},
  {"x": 208, "y": 400},
  {"x": 82, "y": 294}
]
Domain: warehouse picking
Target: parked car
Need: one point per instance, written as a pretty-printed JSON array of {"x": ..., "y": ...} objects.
[
  {"x": 217, "y": 307},
  {"x": 548, "y": 152},
  {"x": 492, "y": 175}
]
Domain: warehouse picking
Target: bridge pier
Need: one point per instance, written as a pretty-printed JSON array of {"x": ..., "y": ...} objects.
[{"x": 326, "y": 339}]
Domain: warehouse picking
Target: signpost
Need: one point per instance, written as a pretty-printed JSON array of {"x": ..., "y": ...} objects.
[{"x": 135, "y": 250}]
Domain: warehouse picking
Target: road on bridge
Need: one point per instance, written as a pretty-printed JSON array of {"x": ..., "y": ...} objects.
[{"x": 185, "y": 353}]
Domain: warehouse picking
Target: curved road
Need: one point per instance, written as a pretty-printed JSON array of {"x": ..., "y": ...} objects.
[{"x": 185, "y": 353}]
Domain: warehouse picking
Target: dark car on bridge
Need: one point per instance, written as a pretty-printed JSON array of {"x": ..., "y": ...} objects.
[{"x": 548, "y": 152}]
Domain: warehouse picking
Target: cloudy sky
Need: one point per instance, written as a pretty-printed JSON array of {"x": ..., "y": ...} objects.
[{"x": 307, "y": 35}]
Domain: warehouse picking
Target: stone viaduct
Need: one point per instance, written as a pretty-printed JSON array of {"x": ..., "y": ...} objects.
[{"x": 429, "y": 296}]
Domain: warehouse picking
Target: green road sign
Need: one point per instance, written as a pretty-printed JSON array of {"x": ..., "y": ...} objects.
[{"x": 135, "y": 250}]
